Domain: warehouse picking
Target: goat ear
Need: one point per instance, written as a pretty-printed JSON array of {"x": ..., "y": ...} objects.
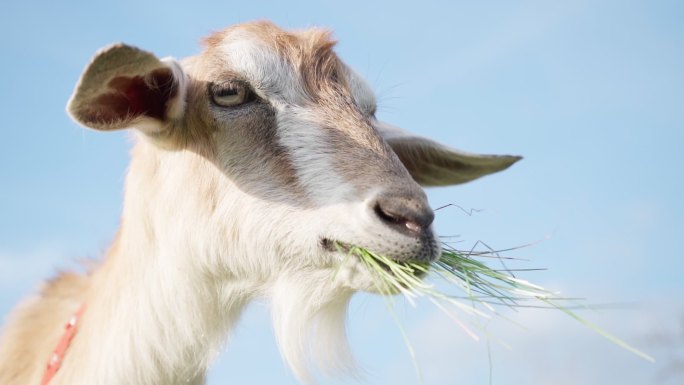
[
  {"x": 124, "y": 87},
  {"x": 434, "y": 164}
]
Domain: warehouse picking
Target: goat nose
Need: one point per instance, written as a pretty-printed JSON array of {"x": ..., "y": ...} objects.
[{"x": 406, "y": 214}]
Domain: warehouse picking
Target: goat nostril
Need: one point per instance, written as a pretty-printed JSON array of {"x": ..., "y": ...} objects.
[
  {"x": 386, "y": 216},
  {"x": 396, "y": 213}
]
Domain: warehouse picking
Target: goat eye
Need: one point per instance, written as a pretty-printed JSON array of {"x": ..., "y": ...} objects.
[{"x": 230, "y": 95}]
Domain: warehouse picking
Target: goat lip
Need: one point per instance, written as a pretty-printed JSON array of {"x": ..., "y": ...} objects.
[{"x": 341, "y": 247}]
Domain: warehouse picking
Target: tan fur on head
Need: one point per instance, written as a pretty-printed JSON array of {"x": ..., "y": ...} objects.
[
  {"x": 310, "y": 52},
  {"x": 251, "y": 160}
]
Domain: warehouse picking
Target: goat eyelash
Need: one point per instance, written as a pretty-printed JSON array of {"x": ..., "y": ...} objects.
[{"x": 231, "y": 88}]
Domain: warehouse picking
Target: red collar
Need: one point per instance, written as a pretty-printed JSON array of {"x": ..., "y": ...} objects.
[{"x": 58, "y": 354}]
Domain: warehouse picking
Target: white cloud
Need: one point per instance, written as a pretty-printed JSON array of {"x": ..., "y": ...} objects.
[{"x": 552, "y": 349}]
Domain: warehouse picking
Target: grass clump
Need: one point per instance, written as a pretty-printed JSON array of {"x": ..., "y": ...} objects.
[{"x": 481, "y": 288}]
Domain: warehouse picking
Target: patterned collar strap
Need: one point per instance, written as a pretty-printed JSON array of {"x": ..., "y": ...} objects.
[{"x": 60, "y": 351}]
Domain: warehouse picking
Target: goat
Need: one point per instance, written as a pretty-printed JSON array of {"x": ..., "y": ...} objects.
[{"x": 252, "y": 161}]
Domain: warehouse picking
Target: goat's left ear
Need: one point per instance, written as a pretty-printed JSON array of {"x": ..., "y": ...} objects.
[
  {"x": 125, "y": 86},
  {"x": 434, "y": 164}
]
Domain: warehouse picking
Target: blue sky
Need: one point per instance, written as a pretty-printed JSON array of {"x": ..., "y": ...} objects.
[{"x": 591, "y": 93}]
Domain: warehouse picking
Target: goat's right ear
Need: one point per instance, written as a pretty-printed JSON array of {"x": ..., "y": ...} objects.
[
  {"x": 433, "y": 164},
  {"x": 125, "y": 86}
]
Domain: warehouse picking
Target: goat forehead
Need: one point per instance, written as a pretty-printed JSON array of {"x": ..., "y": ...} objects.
[
  {"x": 292, "y": 67},
  {"x": 264, "y": 69}
]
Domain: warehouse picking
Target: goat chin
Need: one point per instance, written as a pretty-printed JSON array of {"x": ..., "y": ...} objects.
[{"x": 309, "y": 319}]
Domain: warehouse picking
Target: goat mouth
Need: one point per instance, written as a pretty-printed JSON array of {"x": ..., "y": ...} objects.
[
  {"x": 345, "y": 248},
  {"x": 330, "y": 245}
]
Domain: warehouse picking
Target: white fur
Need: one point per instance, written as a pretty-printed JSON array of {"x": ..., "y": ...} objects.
[{"x": 265, "y": 69}]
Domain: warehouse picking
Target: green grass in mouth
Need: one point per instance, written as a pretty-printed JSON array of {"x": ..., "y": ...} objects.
[{"x": 480, "y": 288}]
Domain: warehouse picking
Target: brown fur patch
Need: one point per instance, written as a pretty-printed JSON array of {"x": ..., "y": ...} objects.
[{"x": 255, "y": 162}]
